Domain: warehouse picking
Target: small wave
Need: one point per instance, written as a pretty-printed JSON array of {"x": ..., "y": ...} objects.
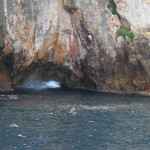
[
  {"x": 50, "y": 84},
  {"x": 20, "y": 135},
  {"x": 8, "y": 97},
  {"x": 97, "y": 107},
  {"x": 87, "y": 107},
  {"x": 12, "y": 96},
  {"x": 104, "y": 107},
  {"x": 39, "y": 85},
  {"x": 14, "y": 125}
]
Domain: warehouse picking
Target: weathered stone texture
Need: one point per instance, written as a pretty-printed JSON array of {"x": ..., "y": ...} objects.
[
  {"x": 136, "y": 12},
  {"x": 2, "y": 26},
  {"x": 77, "y": 43}
]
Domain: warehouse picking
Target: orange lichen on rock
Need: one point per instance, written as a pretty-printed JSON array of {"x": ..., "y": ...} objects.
[
  {"x": 8, "y": 49},
  {"x": 60, "y": 50},
  {"x": 74, "y": 48}
]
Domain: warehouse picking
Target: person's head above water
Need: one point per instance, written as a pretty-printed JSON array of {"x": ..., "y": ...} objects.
[{"x": 72, "y": 110}]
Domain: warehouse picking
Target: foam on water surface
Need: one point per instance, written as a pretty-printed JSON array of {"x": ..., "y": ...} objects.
[
  {"x": 50, "y": 84},
  {"x": 40, "y": 85}
]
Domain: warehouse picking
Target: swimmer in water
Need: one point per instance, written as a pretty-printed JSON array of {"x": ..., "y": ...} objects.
[
  {"x": 72, "y": 111},
  {"x": 51, "y": 111}
]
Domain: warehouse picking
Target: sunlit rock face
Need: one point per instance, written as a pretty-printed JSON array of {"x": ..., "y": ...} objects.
[
  {"x": 135, "y": 12},
  {"x": 76, "y": 42}
]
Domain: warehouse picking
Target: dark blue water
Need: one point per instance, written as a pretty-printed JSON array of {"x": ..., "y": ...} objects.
[{"x": 39, "y": 120}]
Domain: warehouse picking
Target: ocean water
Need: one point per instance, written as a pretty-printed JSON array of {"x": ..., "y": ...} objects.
[{"x": 39, "y": 120}]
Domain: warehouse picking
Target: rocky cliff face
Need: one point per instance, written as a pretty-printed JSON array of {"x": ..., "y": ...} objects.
[{"x": 101, "y": 45}]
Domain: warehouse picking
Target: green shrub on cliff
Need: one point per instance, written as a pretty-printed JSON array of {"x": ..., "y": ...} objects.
[
  {"x": 133, "y": 51},
  {"x": 112, "y": 7},
  {"x": 22, "y": 4},
  {"x": 126, "y": 31}
]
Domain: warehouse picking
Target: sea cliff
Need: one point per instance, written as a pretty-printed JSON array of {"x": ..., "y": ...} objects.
[{"x": 100, "y": 45}]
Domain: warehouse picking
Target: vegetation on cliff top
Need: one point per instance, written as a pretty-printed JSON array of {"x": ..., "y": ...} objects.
[
  {"x": 112, "y": 7},
  {"x": 22, "y": 3},
  {"x": 133, "y": 51},
  {"x": 126, "y": 31}
]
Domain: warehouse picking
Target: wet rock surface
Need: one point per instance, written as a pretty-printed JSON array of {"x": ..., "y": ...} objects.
[{"x": 76, "y": 43}]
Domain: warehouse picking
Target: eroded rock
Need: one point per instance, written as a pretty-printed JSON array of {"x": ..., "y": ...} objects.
[
  {"x": 71, "y": 5},
  {"x": 77, "y": 43},
  {"x": 135, "y": 12},
  {"x": 121, "y": 5}
]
